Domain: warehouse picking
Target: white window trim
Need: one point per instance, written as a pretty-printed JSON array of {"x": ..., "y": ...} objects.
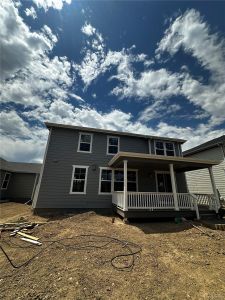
[
  {"x": 85, "y": 133},
  {"x": 107, "y": 149},
  {"x": 99, "y": 183},
  {"x": 113, "y": 177},
  {"x": 4, "y": 181},
  {"x": 164, "y": 147},
  {"x": 85, "y": 180},
  {"x": 149, "y": 147}
]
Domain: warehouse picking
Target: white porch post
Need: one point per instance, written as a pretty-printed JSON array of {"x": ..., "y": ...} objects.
[
  {"x": 214, "y": 188},
  {"x": 125, "y": 206},
  {"x": 173, "y": 182}
]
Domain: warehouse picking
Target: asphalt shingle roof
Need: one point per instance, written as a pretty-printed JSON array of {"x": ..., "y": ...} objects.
[
  {"x": 19, "y": 167},
  {"x": 210, "y": 144}
]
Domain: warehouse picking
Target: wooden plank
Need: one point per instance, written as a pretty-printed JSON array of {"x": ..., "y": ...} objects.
[
  {"x": 31, "y": 241},
  {"x": 28, "y": 236}
]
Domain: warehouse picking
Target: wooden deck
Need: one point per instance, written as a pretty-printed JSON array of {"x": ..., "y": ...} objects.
[
  {"x": 162, "y": 205},
  {"x": 162, "y": 213}
]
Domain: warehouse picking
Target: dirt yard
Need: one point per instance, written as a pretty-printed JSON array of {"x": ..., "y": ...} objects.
[{"x": 177, "y": 261}]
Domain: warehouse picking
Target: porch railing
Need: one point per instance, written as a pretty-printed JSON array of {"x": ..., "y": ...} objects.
[
  {"x": 208, "y": 200},
  {"x": 185, "y": 201},
  {"x": 147, "y": 200},
  {"x": 152, "y": 201}
]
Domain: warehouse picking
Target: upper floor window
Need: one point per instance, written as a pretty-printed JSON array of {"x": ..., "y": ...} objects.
[
  {"x": 85, "y": 142},
  {"x": 164, "y": 148},
  {"x": 5, "y": 182},
  {"x": 113, "y": 144}
]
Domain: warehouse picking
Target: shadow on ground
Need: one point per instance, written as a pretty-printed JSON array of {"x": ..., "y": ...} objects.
[{"x": 160, "y": 225}]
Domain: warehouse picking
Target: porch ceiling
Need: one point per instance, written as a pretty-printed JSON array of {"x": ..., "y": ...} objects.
[{"x": 181, "y": 164}]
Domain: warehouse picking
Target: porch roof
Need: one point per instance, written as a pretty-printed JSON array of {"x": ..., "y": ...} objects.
[{"x": 181, "y": 164}]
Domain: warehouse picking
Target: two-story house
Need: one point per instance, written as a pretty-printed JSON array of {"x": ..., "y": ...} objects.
[{"x": 137, "y": 175}]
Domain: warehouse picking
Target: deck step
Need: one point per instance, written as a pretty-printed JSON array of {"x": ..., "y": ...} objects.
[
  {"x": 208, "y": 216},
  {"x": 214, "y": 224}
]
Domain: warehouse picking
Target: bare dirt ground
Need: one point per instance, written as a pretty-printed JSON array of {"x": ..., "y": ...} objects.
[{"x": 177, "y": 261}]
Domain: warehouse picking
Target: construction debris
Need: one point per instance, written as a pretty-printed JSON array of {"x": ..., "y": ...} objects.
[
  {"x": 31, "y": 241},
  {"x": 18, "y": 225},
  {"x": 28, "y": 236}
]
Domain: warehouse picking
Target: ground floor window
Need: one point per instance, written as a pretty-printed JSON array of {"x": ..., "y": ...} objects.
[
  {"x": 112, "y": 180},
  {"x": 5, "y": 182},
  {"x": 79, "y": 180},
  {"x": 105, "y": 180}
]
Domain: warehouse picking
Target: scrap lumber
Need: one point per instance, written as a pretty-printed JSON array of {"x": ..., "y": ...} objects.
[
  {"x": 28, "y": 236},
  {"x": 31, "y": 241},
  {"x": 13, "y": 226}
]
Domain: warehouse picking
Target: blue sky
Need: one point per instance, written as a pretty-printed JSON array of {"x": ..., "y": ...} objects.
[{"x": 152, "y": 67}]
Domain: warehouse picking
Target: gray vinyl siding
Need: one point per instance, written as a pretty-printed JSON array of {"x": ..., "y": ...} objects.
[
  {"x": 199, "y": 181},
  {"x": 20, "y": 186},
  {"x": 3, "y": 193},
  {"x": 181, "y": 183},
  {"x": 54, "y": 186}
]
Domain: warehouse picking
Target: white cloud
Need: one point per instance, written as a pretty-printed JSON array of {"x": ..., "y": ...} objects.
[
  {"x": 29, "y": 76},
  {"x": 158, "y": 110},
  {"x": 19, "y": 140},
  {"x": 31, "y": 12},
  {"x": 46, "y": 4},
  {"x": 150, "y": 83},
  {"x": 159, "y": 84},
  {"x": 192, "y": 34},
  {"x": 12, "y": 124},
  {"x": 18, "y": 44},
  {"x": 88, "y": 29}
]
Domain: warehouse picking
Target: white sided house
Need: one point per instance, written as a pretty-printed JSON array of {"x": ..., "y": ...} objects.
[
  {"x": 135, "y": 175},
  {"x": 199, "y": 181}
]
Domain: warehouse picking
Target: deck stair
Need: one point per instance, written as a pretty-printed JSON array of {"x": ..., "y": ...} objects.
[{"x": 214, "y": 224}]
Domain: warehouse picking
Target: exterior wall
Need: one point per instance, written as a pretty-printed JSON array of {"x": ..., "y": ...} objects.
[
  {"x": 3, "y": 193},
  {"x": 54, "y": 187},
  {"x": 21, "y": 186},
  {"x": 199, "y": 181}
]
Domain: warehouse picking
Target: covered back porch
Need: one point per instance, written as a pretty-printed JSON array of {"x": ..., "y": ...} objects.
[{"x": 165, "y": 192}]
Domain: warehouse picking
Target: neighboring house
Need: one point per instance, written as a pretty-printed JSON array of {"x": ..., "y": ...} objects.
[
  {"x": 199, "y": 181},
  {"x": 138, "y": 175},
  {"x": 18, "y": 180}
]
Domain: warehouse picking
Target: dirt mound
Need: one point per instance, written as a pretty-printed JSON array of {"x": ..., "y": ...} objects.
[{"x": 176, "y": 262}]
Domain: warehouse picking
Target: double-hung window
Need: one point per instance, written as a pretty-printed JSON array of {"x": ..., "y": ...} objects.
[
  {"x": 5, "y": 182},
  {"x": 105, "y": 181},
  {"x": 169, "y": 148},
  {"x": 85, "y": 142},
  {"x": 113, "y": 180},
  {"x": 131, "y": 180},
  {"x": 118, "y": 180},
  {"x": 113, "y": 144},
  {"x": 164, "y": 148},
  {"x": 79, "y": 180},
  {"x": 159, "y": 148}
]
